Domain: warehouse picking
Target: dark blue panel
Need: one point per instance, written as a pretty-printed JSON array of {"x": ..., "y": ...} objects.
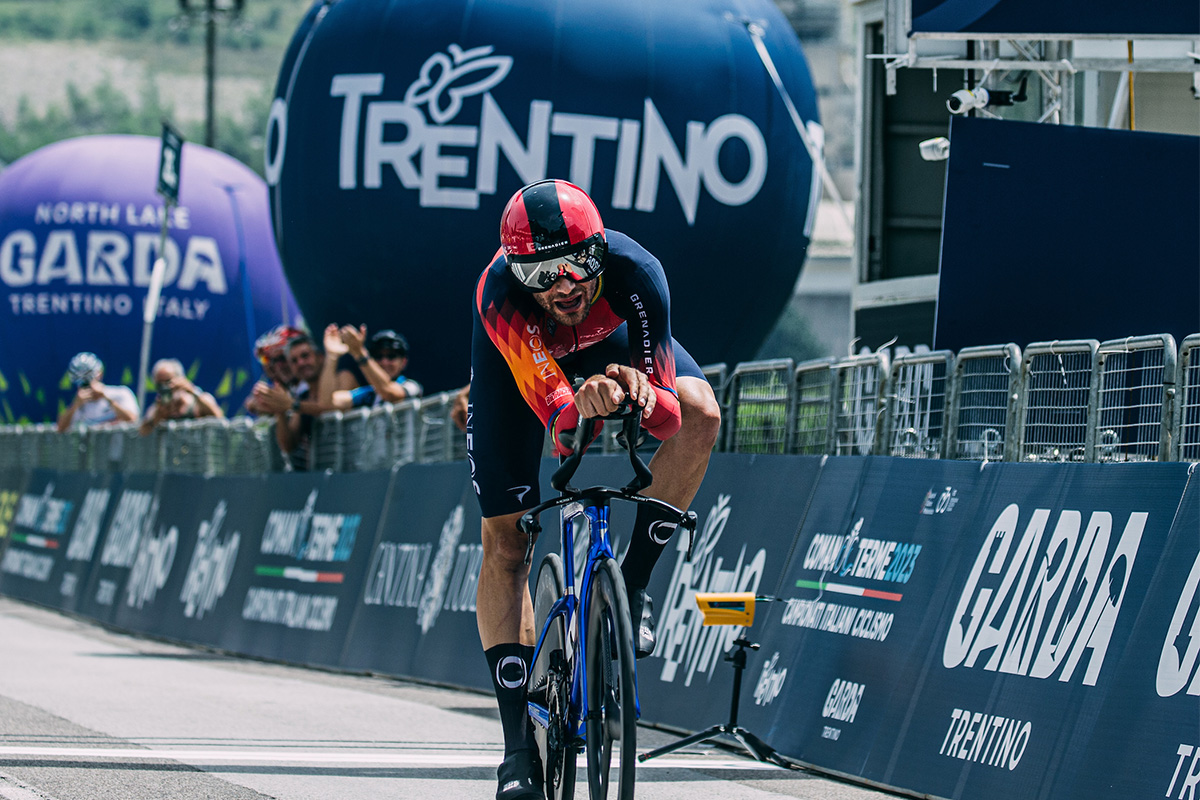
[
  {"x": 1058, "y": 17},
  {"x": 861, "y": 598},
  {"x": 307, "y": 542},
  {"x": 749, "y": 509},
  {"x": 132, "y": 515},
  {"x": 56, "y": 524},
  {"x": 416, "y": 613},
  {"x": 1063, "y": 232},
  {"x": 1034, "y": 615}
]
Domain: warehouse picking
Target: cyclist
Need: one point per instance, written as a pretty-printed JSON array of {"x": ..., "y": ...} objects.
[{"x": 564, "y": 296}]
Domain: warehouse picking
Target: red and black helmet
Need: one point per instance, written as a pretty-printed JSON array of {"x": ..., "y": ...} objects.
[{"x": 549, "y": 229}]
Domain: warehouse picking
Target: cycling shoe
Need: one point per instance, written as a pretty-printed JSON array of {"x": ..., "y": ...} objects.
[
  {"x": 641, "y": 612},
  {"x": 520, "y": 777}
]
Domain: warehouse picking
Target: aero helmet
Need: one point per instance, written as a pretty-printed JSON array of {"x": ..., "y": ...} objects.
[
  {"x": 549, "y": 229},
  {"x": 84, "y": 368}
]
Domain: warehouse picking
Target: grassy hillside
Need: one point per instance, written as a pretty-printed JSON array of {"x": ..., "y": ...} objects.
[{"x": 76, "y": 67}]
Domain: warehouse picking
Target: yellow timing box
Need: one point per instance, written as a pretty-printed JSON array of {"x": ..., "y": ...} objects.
[{"x": 726, "y": 608}]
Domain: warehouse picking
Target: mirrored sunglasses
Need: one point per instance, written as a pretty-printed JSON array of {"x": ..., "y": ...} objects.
[{"x": 538, "y": 276}]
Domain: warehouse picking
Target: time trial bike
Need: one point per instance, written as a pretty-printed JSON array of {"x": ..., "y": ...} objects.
[{"x": 583, "y": 680}]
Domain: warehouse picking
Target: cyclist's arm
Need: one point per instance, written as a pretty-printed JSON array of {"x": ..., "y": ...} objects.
[
  {"x": 518, "y": 337},
  {"x": 651, "y": 351}
]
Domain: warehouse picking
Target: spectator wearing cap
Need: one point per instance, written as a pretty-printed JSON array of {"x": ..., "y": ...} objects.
[
  {"x": 294, "y": 410},
  {"x": 382, "y": 359},
  {"x": 271, "y": 351},
  {"x": 95, "y": 402},
  {"x": 178, "y": 397}
]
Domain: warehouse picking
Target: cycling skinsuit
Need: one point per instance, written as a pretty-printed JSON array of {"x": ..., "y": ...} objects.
[{"x": 522, "y": 363}]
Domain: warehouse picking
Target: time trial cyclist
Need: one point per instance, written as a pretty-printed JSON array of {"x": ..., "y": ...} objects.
[{"x": 564, "y": 296}]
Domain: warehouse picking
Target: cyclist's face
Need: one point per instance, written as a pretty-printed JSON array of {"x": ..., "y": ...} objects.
[{"x": 566, "y": 301}]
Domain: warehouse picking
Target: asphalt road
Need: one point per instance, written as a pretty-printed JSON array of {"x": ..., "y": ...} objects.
[{"x": 91, "y": 714}]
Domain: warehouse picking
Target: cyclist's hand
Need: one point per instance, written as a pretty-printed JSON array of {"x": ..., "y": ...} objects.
[
  {"x": 599, "y": 396},
  {"x": 637, "y": 386}
]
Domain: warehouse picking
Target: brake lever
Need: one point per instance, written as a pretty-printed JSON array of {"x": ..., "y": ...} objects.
[
  {"x": 531, "y": 528},
  {"x": 689, "y": 523}
]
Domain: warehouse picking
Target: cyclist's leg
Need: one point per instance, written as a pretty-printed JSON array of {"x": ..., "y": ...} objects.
[
  {"x": 504, "y": 450},
  {"x": 678, "y": 465}
]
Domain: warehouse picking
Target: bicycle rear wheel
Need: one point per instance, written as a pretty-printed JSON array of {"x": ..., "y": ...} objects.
[
  {"x": 612, "y": 696},
  {"x": 550, "y": 681}
]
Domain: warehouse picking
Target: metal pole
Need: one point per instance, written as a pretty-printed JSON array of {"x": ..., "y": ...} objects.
[
  {"x": 210, "y": 58},
  {"x": 150, "y": 312}
]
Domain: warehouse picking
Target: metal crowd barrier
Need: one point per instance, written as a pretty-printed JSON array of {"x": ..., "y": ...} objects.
[{"x": 1133, "y": 399}]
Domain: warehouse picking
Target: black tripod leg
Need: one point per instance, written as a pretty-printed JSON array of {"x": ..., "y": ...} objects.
[
  {"x": 703, "y": 735},
  {"x": 760, "y": 749}
]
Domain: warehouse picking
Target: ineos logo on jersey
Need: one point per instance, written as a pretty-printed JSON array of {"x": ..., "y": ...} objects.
[
  {"x": 510, "y": 672},
  {"x": 423, "y": 159}
]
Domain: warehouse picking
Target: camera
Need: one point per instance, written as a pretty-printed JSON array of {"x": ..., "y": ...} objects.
[{"x": 965, "y": 100}]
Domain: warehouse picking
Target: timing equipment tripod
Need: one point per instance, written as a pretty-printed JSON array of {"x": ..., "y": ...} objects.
[{"x": 729, "y": 609}]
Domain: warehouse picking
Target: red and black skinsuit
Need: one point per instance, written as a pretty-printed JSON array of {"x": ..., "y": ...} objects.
[{"x": 522, "y": 365}]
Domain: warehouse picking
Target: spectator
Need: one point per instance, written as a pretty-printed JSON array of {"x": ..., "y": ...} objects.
[
  {"x": 95, "y": 403},
  {"x": 294, "y": 411},
  {"x": 271, "y": 350},
  {"x": 458, "y": 411},
  {"x": 382, "y": 360},
  {"x": 178, "y": 397}
]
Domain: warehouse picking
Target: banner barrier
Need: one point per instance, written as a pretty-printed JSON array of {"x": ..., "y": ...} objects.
[
  {"x": 944, "y": 628},
  {"x": 416, "y": 613}
]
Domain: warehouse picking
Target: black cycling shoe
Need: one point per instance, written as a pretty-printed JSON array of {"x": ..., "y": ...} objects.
[
  {"x": 520, "y": 777},
  {"x": 641, "y": 612}
]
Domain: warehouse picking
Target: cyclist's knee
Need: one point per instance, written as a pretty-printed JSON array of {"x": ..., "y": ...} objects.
[
  {"x": 701, "y": 413},
  {"x": 504, "y": 544}
]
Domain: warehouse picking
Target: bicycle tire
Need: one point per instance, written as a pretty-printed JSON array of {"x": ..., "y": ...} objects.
[
  {"x": 552, "y": 671},
  {"x": 611, "y": 688}
]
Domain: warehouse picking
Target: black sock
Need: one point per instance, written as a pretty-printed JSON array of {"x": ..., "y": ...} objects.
[
  {"x": 651, "y": 533},
  {"x": 509, "y": 665}
]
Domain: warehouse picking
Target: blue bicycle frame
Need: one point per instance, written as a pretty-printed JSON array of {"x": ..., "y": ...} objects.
[
  {"x": 575, "y": 608},
  {"x": 590, "y": 505}
]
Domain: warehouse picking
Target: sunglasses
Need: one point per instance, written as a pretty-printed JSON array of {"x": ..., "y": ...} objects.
[
  {"x": 162, "y": 388},
  {"x": 538, "y": 276},
  {"x": 391, "y": 354}
]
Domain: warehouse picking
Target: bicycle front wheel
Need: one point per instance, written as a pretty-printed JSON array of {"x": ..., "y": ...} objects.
[
  {"x": 550, "y": 680},
  {"x": 611, "y": 692}
]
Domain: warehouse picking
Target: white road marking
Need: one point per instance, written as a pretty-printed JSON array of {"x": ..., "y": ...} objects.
[{"x": 426, "y": 759}]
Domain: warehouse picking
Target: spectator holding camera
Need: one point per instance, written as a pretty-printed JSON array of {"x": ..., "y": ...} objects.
[
  {"x": 95, "y": 402},
  {"x": 382, "y": 360},
  {"x": 178, "y": 397}
]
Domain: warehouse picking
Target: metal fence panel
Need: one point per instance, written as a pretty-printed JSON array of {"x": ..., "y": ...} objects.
[
  {"x": 986, "y": 386},
  {"x": 1186, "y": 446},
  {"x": 811, "y": 425},
  {"x": 436, "y": 433},
  {"x": 1058, "y": 400},
  {"x": 918, "y": 404},
  {"x": 760, "y": 400},
  {"x": 1136, "y": 399},
  {"x": 860, "y": 403}
]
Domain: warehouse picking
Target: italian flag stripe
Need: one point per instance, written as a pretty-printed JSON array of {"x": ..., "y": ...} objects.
[
  {"x": 36, "y": 541},
  {"x": 857, "y": 591},
  {"x": 298, "y": 574}
]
